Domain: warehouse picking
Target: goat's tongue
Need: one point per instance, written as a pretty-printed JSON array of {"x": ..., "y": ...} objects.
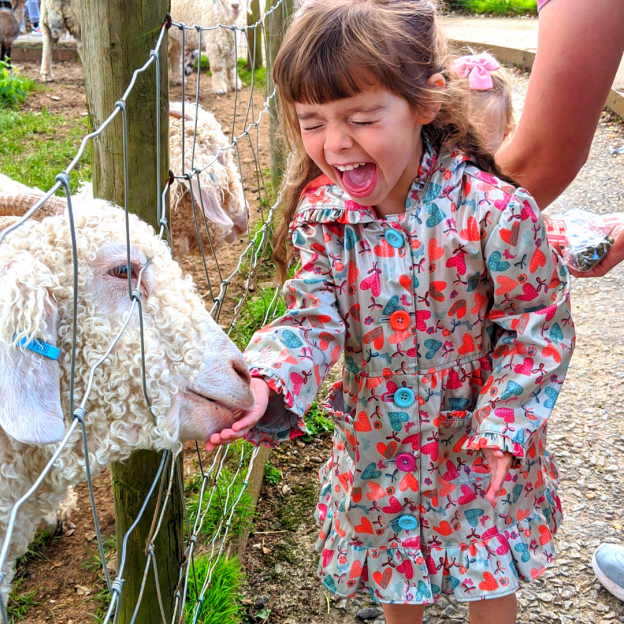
[{"x": 360, "y": 181}]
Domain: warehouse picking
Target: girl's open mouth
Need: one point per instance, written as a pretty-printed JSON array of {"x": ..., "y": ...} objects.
[{"x": 358, "y": 179}]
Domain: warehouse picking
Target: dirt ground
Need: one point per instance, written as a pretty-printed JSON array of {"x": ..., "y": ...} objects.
[{"x": 587, "y": 436}]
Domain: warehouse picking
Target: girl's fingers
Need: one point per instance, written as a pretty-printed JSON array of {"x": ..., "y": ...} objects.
[
  {"x": 498, "y": 477},
  {"x": 250, "y": 418},
  {"x": 499, "y": 463}
]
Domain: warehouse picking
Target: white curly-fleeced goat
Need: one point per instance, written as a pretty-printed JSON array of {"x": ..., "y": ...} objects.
[
  {"x": 58, "y": 17},
  {"x": 195, "y": 376},
  {"x": 219, "y": 190},
  {"x": 220, "y": 44}
]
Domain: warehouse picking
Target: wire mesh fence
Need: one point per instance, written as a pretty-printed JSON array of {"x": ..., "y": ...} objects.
[{"x": 230, "y": 284}]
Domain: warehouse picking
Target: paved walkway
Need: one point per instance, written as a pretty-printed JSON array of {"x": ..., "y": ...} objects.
[{"x": 519, "y": 33}]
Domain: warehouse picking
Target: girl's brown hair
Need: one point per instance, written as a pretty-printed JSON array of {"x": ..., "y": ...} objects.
[{"x": 336, "y": 48}]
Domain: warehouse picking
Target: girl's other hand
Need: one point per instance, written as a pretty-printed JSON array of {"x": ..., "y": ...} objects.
[
  {"x": 247, "y": 419},
  {"x": 499, "y": 463},
  {"x": 615, "y": 255}
]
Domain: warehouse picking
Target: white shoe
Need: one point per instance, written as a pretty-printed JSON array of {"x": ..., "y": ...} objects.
[{"x": 608, "y": 564}]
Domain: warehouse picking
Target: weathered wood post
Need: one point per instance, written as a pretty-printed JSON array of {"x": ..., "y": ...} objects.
[
  {"x": 275, "y": 27},
  {"x": 118, "y": 36},
  {"x": 254, "y": 37}
]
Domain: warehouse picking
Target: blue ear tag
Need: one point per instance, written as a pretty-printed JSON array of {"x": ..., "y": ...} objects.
[{"x": 40, "y": 347}]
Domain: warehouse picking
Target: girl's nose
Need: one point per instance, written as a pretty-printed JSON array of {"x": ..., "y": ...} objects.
[{"x": 337, "y": 140}]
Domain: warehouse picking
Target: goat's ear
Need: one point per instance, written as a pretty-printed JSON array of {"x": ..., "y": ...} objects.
[
  {"x": 210, "y": 202},
  {"x": 30, "y": 395}
]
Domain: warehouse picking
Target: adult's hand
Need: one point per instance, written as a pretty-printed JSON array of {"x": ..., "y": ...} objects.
[
  {"x": 247, "y": 419},
  {"x": 615, "y": 254},
  {"x": 579, "y": 49}
]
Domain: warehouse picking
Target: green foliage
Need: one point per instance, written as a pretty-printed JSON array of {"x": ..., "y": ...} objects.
[
  {"x": 20, "y": 603},
  {"x": 36, "y": 548},
  {"x": 221, "y": 503},
  {"x": 244, "y": 72},
  {"x": 222, "y": 600},
  {"x": 498, "y": 7},
  {"x": 272, "y": 474},
  {"x": 13, "y": 87},
  {"x": 316, "y": 423},
  {"x": 253, "y": 314},
  {"x": 35, "y": 147}
]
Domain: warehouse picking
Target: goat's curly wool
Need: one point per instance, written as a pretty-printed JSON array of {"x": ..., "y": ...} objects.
[
  {"x": 221, "y": 197},
  {"x": 57, "y": 17},
  {"x": 194, "y": 374},
  {"x": 220, "y": 44}
]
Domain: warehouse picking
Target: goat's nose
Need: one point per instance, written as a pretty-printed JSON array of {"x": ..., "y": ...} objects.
[
  {"x": 240, "y": 369},
  {"x": 235, "y": 7}
]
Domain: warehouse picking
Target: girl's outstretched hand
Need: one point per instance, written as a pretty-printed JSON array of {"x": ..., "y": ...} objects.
[
  {"x": 499, "y": 463},
  {"x": 247, "y": 419}
]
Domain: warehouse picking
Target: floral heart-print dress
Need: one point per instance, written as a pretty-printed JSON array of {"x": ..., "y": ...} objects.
[{"x": 455, "y": 325}]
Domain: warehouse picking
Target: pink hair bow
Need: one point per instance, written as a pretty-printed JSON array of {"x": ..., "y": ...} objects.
[{"x": 477, "y": 67}]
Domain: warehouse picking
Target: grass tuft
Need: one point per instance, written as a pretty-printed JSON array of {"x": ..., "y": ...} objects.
[
  {"x": 272, "y": 474},
  {"x": 316, "y": 423},
  {"x": 244, "y": 72},
  {"x": 221, "y": 502},
  {"x": 13, "y": 87},
  {"x": 222, "y": 600},
  {"x": 498, "y": 7},
  {"x": 20, "y": 603},
  {"x": 35, "y": 147},
  {"x": 253, "y": 314}
]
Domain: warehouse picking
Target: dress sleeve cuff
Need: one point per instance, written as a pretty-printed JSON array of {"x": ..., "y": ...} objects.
[
  {"x": 280, "y": 422},
  {"x": 494, "y": 440}
]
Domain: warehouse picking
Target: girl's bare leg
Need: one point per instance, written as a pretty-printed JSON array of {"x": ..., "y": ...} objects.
[
  {"x": 495, "y": 611},
  {"x": 403, "y": 614}
]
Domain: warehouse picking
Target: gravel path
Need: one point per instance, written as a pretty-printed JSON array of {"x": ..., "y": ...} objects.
[{"x": 586, "y": 435}]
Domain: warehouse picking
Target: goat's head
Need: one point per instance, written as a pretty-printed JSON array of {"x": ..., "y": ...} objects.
[
  {"x": 194, "y": 375},
  {"x": 236, "y": 7}
]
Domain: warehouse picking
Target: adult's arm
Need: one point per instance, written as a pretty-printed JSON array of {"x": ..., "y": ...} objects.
[{"x": 580, "y": 46}]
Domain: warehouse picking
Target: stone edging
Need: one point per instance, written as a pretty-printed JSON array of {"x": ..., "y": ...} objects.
[{"x": 525, "y": 59}]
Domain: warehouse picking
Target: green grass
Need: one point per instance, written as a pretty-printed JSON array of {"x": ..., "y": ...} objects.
[
  {"x": 31, "y": 151},
  {"x": 20, "y": 603},
  {"x": 244, "y": 72},
  {"x": 245, "y": 75},
  {"x": 498, "y": 7},
  {"x": 316, "y": 423},
  {"x": 13, "y": 87},
  {"x": 243, "y": 514},
  {"x": 222, "y": 600},
  {"x": 36, "y": 548},
  {"x": 272, "y": 474},
  {"x": 252, "y": 316}
]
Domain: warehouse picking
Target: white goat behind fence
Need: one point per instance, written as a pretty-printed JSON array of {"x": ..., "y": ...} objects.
[
  {"x": 220, "y": 44},
  {"x": 100, "y": 286}
]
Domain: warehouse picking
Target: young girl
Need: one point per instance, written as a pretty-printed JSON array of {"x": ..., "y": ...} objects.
[
  {"x": 432, "y": 275},
  {"x": 490, "y": 99}
]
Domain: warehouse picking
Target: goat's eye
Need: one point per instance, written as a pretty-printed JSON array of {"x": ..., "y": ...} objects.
[{"x": 121, "y": 272}]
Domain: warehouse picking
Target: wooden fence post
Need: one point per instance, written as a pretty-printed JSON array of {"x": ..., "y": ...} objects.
[
  {"x": 275, "y": 27},
  {"x": 117, "y": 37},
  {"x": 254, "y": 37}
]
